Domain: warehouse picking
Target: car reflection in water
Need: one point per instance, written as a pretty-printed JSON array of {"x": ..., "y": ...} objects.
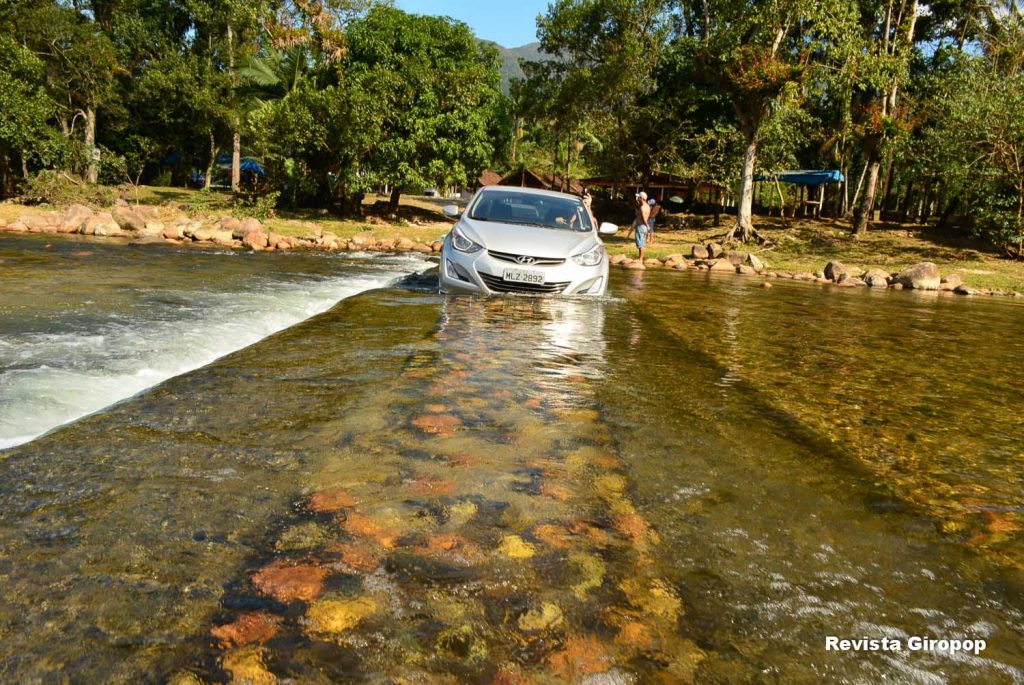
[{"x": 556, "y": 344}]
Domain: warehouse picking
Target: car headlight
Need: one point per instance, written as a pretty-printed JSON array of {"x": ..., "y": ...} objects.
[
  {"x": 463, "y": 244},
  {"x": 591, "y": 257}
]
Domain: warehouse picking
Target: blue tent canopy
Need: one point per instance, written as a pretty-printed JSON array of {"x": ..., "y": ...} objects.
[
  {"x": 248, "y": 164},
  {"x": 253, "y": 167},
  {"x": 805, "y": 177}
]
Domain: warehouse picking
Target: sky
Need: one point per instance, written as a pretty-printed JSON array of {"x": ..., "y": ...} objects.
[{"x": 510, "y": 24}]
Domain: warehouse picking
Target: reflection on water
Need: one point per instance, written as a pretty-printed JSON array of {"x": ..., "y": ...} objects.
[{"x": 412, "y": 488}]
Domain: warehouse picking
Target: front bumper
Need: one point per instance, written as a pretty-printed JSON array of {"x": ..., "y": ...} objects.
[{"x": 481, "y": 273}]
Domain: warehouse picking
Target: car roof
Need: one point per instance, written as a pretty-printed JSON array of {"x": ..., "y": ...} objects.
[{"x": 530, "y": 191}]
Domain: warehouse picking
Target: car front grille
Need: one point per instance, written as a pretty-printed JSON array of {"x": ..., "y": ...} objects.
[
  {"x": 498, "y": 285},
  {"x": 514, "y": 258}
]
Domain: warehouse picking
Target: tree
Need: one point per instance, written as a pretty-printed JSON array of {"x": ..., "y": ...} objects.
[
  {"x": 761, "y": 55},
  {"x": 25, "y": 109},
  {"x": 436, "y": 93},
  {"x": 890, "y": 31}
]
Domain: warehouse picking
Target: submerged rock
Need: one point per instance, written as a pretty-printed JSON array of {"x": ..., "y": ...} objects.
[
  {"x": 545, "y": 617},
  {"x": 286, "y": 582},
  {"x": 334, "y": 616},
  {"x": 330, "y": 500},
  {"x": 246, "y": 667},
  {"x": 514, "y": 547},
  {"x": 248, "y": 628}
]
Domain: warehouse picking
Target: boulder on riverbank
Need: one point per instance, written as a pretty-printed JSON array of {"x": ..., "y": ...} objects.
[
  {"x": 834, "y": 270},
  {"x": 876, "y": 278},
  {"x": 950, "y": 283},
  {"x": 923, "y": 276}
]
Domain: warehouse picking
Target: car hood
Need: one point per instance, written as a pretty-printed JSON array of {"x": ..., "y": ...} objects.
[{"x": 551, "y": 243}]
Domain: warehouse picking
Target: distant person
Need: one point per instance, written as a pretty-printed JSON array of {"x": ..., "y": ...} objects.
[
  {"x": 641, "y": 222},
  {"x": 655, "y": 211}
]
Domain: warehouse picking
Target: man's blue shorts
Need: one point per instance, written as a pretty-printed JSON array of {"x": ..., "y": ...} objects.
[{"x": 641, "y": 236}]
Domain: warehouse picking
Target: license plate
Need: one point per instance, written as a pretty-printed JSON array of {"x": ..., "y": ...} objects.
[{"x": 518, "y": 276}]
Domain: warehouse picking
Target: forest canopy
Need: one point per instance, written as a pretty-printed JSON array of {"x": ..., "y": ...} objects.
[{"x": 917, "y": 103}]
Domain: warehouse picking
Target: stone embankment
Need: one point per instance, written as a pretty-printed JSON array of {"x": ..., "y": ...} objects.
[
  {"x": 142, "y": 225},
  {"x": 714, "y": 258}
]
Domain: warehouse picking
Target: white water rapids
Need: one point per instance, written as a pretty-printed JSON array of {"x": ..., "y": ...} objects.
[{"x": 50, "y": 378}]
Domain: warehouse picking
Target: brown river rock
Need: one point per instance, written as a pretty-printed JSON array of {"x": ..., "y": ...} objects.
[
  {"x": 362, "y": 526},
  {"x": 331, "y": 500},
  {"x": 580, "y": 656},
  {"x": 248, "y": 628},
  {"x": 286, "y": 582},
  {"x": 437, "y": 424}
]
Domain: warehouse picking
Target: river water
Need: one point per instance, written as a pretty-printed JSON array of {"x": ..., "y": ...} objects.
[{"x": 692, "y": 480}]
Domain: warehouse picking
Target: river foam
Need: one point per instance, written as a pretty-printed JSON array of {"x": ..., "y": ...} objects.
[{"x": 50, "y": 379}]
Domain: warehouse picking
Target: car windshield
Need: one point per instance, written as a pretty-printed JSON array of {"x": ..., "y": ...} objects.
[{"x": 527, "y": 209}]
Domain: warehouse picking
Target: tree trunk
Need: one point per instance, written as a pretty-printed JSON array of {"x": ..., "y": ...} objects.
[
  {"x": 6, "y": 182},
  {"x": 862, "y": 215},
  {"x": 867, "y": 204},
  {"x": 92, "y": 167},
  {"x": 744, "y": 212},
  {"x": 236, "y": 157},
  {"x": 396, "y": 194},
  {"x": 213, "y": 160}
]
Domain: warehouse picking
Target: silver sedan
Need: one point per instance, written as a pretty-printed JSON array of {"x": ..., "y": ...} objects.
[{"x": 521, "y": 240}]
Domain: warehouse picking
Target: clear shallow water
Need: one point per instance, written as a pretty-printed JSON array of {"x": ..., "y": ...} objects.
[
  {"x": 648, "y": 488},
  {"x": 86, "y": 326}
]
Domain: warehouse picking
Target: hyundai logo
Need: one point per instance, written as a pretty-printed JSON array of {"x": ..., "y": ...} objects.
[{"x": 523, "y": 259}]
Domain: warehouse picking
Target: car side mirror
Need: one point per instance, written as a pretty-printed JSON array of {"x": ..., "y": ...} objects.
[
  {"x": 451, "y": 211},
  {"x": 608, "y": 229}
]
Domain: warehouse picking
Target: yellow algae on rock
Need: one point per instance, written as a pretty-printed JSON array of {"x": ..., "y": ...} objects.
[
  {"x": 591, "y": 569},
  {"x": 464, "y": 642},
  {"x": 611, "y": 483},
  {"x": 460, "y": 513},
  {"x": 515, "y": 547},
  {"x": 338, "y": 615},
  {"x": 654, "y": 597},
  {"x": 246, "y": 667},
  {"x": 547, "y": 616},
  {"x": 184, "y": 678}
]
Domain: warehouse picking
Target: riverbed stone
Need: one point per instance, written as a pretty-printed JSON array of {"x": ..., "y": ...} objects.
[
  {"x": 223, "y": 238},
  {"x": 634, "y": 264},
  {"x": 251, "y": 627},
  {"x": 715, "y": 250},
  {"x": 256, "y": 240},
  {"x": 335, "y": 616},
  {"x": 848, "y": 280},
  {"x": 615, "y": 260},
  {"x": 803, "y": 276},
  {"x": 422, "y": 248},
  {"x": 74, "y": 219},
  {"x": 746, "y": 270},
  {"x": 250, "y": 225},
  {"x": 437, "y": 245},
  {"x": 923, "y": 276},
  {"x": 681, "y": 266},
  {"x": 652, "y": 263},
  {"x": 950, "y": 283},
  {"x": 834, "y": 269},
  {"x": 767, "y": 286},
  {"x": 735, "y": 257},
  {"x": 876, "y": 278},
  {"x": 699, "y": 252},
  {"x": 404, "y": 244},
  {"x": 230, "y": 223},
  {"x": 173, "y": 233},
  {"x": 152, "y": 228},
  {"x": 722, "y": 265},
  {"x": 287, "y": 582},
  {"x": 755, "y": 262},
  {"x": 129, "y": 218}
]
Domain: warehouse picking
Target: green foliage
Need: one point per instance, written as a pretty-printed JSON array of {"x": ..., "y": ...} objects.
[
  {"x": 259, "y": 206},
  {"x": 57, "y": 188}
]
